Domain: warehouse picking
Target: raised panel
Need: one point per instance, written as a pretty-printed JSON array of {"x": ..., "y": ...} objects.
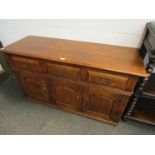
[
  {"x": 64, "y": 93},
  {"x": 34, "y": 86},
  {"x": 100, "y": 103},
  {"x": 93, "y": 80},
  {"x": 62, "y": 70},
  {"x": 25, "y": 63},
  {"x": 107, "y": 79}
]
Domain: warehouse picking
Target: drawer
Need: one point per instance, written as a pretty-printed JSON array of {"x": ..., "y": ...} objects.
[
  {"x": 62, "y": 71},
  {"x": 25, "y": 63},
  {"x": 107, "y": 79}
]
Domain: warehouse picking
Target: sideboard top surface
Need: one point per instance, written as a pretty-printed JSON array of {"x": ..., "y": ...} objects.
[{"x": 108, "y": 57}]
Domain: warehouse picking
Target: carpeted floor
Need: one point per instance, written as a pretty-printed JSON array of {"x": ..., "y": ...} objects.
[{"x": 20, "y": 116}]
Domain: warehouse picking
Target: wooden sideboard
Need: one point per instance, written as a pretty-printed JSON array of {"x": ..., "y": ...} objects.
[{"x": 89, "y": 79}]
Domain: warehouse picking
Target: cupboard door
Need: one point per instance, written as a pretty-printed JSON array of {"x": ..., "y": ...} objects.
[
  {"x": 104, "y": 104},
  {"x": 65, "y": 93},
  {"x": 34, "y": 86}
]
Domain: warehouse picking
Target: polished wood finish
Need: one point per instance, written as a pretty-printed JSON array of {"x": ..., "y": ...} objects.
[
  {"x": 108, "y": 57},
  {"x": 111, "y": 80},
  {"x": 24, "y": 63},
  {"x": 48, "y": 72},
  {"x": 65, "y": 93},
  {"x": 34, "y": 86},
  {"x": 102, "y": 103},
  {"x": 63, "y": 71}
]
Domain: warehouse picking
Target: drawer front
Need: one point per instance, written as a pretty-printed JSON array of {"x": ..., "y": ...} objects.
[
  {"x": 62, "y": 71},
  {"x": 106, "y": 79},
  {"x": 26, "y": 64}
]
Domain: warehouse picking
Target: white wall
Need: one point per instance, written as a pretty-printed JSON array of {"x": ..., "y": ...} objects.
[{"x": 117, "y": 32}]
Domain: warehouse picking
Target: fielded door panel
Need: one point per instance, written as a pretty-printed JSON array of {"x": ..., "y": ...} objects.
[
  {"x": 103, "y": 103},
  {"x": 34, "y": 86},
  {"x": 65, "y": 93}
]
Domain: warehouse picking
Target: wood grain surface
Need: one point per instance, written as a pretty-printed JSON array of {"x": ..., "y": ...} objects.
[{"x": 114, "y": 58}]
